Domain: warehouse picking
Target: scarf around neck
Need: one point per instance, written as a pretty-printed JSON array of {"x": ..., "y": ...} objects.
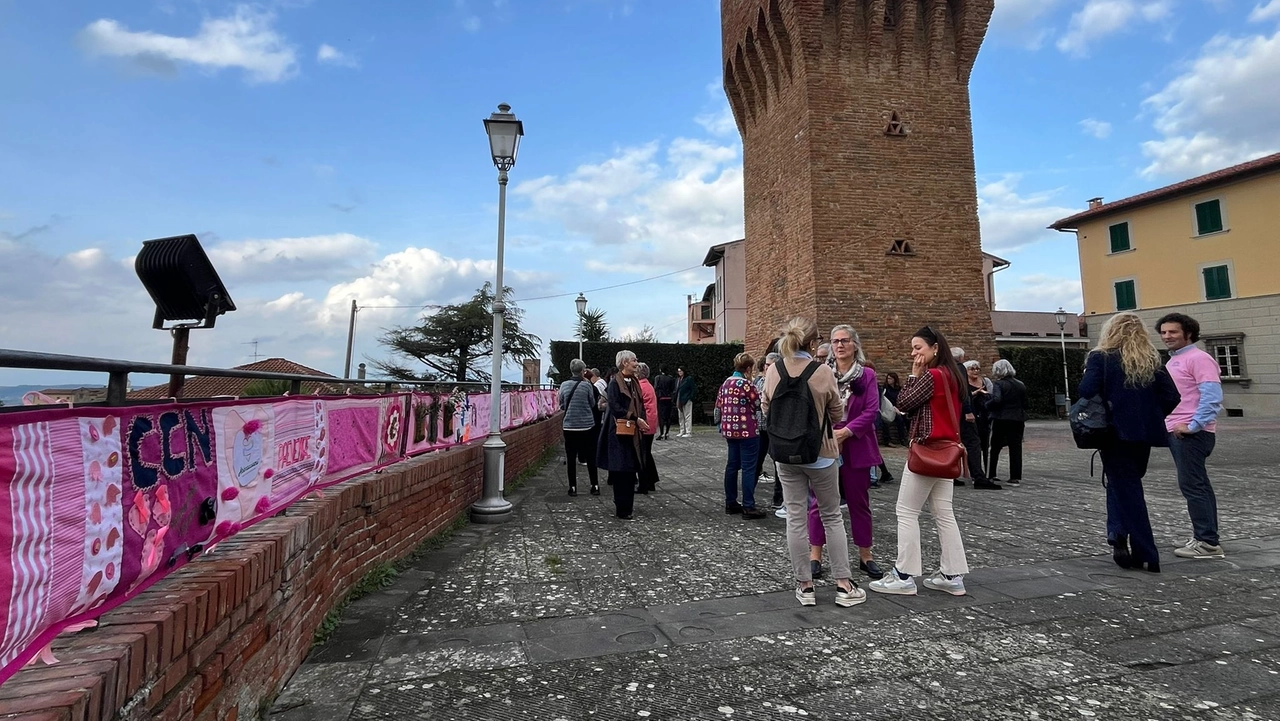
[{"x": 846, "y": 382}]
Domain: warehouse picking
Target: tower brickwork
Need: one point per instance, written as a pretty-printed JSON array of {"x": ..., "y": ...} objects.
[{"x": 860, "y": 189}]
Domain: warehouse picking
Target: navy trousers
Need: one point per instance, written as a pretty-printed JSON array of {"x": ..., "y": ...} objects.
[{"x": 1124, "y": 465}]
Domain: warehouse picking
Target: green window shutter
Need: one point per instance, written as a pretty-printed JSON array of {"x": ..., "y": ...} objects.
[
  {"x": 1126, "y": 295},
  {"x": 1119, "y": 237},
  {"x": 1209, "y": 217},
  {"x": 1217, "y": 283}
]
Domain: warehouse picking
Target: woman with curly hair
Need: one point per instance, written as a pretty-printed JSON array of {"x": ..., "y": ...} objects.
[{"x": 1126, "y": 371}]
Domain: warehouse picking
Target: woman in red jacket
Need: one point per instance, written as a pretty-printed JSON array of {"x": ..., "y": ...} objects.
[{"x": 931, "y": 397}]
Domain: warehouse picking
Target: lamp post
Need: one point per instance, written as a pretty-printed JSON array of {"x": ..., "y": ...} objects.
[
  {"x": 504, "y": 132},
  {"x": 581, "y": 302},
  {"x": 1061, "y": 317}
]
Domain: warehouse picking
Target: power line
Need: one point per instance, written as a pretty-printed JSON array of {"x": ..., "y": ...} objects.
[{"x": 545, "y": 297}]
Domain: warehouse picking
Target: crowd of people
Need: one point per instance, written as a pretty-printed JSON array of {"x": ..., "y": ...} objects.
[{"x": 818, "y": 410}]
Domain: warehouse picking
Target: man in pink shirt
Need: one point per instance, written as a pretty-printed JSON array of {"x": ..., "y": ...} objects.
[{"x": 1192, "y": 429}]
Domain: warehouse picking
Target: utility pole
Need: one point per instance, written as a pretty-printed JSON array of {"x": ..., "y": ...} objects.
[{"x": 351, "y": 338}]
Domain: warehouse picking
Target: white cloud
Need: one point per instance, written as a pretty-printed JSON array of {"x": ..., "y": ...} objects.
[
  {"x": 1262, "y": 13},
  {"x": 1099, "y": 129},
  {"x": 1010, "y": 221},
  {"x": 244, "y": 40},
  {"x": 1037, "y": 291},
  {"x": 1021, "y": 21},
  {"x": 291, "y": 259},
  {"x": 647, "y": 208},
  {"x": 721, "y": 121},
  {"x": 329, "y": 55},
  {"x": 1214, "y": 115},
  {"x": 1101, "y": 18}
]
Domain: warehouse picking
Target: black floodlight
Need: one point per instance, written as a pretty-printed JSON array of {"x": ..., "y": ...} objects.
[{"x": 182, "y": 282}]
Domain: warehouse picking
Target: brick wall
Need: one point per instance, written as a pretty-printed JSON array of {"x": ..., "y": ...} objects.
[
  {"x": 814, "y": 84},
  {"x": 223, "y": 634}
]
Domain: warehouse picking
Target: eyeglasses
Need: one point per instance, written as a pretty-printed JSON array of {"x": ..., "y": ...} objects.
[{"x": 841, "y": 341}]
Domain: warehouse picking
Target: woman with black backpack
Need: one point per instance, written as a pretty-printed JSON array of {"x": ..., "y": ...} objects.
[
  {"x": 1126, "y": 373},
  {"x": 802, "y": 402},
  {"x": 581, "y": 424}
]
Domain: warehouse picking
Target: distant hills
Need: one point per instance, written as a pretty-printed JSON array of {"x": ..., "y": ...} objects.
[{"x": 12, "y": 395}]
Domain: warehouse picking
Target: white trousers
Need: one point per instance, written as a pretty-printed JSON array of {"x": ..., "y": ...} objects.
[
  {"x": 686, "y": 418},
  {"x": 913, "y": 492}
]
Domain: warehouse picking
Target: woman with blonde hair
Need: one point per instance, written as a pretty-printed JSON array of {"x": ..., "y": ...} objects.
[
  {"x": 802, "y": 402},
  {"x": 1126, "y": 372}
]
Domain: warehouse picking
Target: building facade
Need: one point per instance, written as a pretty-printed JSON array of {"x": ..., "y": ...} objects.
[
  {"x": 860, "y": 193},
  {"x": 729, "y": 293},
  {"x": 1206, "y": 247}
]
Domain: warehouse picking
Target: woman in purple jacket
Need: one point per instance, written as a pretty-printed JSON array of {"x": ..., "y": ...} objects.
[{"x": 859, "y": 446}]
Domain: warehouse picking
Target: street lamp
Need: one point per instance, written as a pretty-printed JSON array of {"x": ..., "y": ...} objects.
[
  {"x": 581, "y": 302},
  {"x": 504, "y": 132},
  {"x": 1061, "y": 317}
]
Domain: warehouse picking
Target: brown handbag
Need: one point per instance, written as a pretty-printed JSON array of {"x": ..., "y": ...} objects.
[
  {"x": 937, "y": 457},
  {"x": 626, "y": 427}
]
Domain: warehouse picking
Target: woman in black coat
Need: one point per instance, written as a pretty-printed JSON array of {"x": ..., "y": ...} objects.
[
  {"x": 620, "y": 455},
  {"x": 1126, "y": 371},
  {"x": 1007, "y": 409}
]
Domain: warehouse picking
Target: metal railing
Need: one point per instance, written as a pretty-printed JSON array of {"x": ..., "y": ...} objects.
[{"x": 118, "y": 375}]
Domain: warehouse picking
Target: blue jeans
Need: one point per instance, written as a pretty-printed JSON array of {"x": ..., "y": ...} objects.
[
  {"x": 742, "y": 457},
  {"x": 1189, "y": 454}
]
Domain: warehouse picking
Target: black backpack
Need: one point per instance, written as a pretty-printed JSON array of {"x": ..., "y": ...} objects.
[
  {"x": 795, "y": 431},
  {"x": 1090, "y": 422}
]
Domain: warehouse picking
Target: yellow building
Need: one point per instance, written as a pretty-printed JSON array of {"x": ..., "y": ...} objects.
[{"x": 1208, "y": 247}]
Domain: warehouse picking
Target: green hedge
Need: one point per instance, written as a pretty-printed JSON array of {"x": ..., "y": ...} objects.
[
  {"x": 1040, "y": 368},
  {"x": 709, "y": 364}
]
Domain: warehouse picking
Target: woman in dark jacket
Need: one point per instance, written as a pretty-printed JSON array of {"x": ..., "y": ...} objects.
[
  {"x": 1007, "y": 408},
  {"x": 893, "y": 387},
  {"x": 1125, "y": 370},
  {"x": 621, "y": 455}
]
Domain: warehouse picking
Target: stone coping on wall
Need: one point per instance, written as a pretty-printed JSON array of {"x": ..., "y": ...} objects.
[{"x": 220, "y": 637}]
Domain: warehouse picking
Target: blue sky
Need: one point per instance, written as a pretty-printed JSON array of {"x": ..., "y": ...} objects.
[{"x": 325, "y": 150}]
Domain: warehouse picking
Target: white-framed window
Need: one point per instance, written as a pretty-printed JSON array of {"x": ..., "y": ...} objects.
[
  {"x": 1209, "y": 217},
  {"x": 1126, "y": 293},
  {"x": 1228, "y": 350},
  {"x": 1217, "y": 280},
  {"x": 1120, "y": 236}
]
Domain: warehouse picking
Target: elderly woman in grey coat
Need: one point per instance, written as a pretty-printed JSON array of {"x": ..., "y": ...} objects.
[
  {"x": 578, "y": 400},
  {"x": 621, "y": 454},
  {"x": 1008, "y": 410}
]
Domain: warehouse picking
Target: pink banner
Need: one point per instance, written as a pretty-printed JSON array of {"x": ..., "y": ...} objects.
[{"x": 97, "y": 504}]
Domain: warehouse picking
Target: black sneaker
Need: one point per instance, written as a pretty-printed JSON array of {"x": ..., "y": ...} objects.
[
  {"x": 959, "y": 481},
  {"x": 987, "y": 486},
  {"x": 595, "y": 490},
  {"x": 732, "y": 509},
  {"x": 753, "y": 513},
  {"x": 1014, "y": 481},
  {"x": 573, "y": 490}
]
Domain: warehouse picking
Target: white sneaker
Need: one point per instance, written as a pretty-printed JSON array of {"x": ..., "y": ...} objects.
[
  {"x": 892, "y": 583},
  {"x": 852, "y": 597},
  {"x": 806, "y": 596},
  {"x": 1199, "y": 549},
  {"x": 781, "y": 512},
  {"x": 939, "y": 582}
]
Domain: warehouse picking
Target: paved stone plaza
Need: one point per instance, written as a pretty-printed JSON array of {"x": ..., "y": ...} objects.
[{"x": 686, "y": 613}]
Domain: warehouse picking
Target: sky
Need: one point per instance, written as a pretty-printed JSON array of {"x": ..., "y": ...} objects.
[{"x": 324, "y": 151}]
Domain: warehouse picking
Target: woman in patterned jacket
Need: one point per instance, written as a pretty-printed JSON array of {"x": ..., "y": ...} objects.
[{"x": 738, "y": 405}]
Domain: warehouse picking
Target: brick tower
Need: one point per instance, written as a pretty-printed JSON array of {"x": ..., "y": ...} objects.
[{"x": 861, "y": 200}]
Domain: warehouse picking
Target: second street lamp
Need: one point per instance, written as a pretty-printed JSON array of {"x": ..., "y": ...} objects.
[
  {"x": 504, "y": 132},
  {"x": 581, "y": 302},
  {"x": 1061, "y": 318}
]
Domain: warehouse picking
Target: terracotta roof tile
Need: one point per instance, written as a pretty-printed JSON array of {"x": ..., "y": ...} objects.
[
  {"x": 1236, "y": 172},
  {"x": 209, "y": 386}
]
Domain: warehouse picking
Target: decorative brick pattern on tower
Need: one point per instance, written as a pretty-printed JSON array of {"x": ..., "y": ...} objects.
[{"x": 861, "y": 200}]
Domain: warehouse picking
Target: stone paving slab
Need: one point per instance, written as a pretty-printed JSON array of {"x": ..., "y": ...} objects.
[{"x": 686, "y": 613}]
